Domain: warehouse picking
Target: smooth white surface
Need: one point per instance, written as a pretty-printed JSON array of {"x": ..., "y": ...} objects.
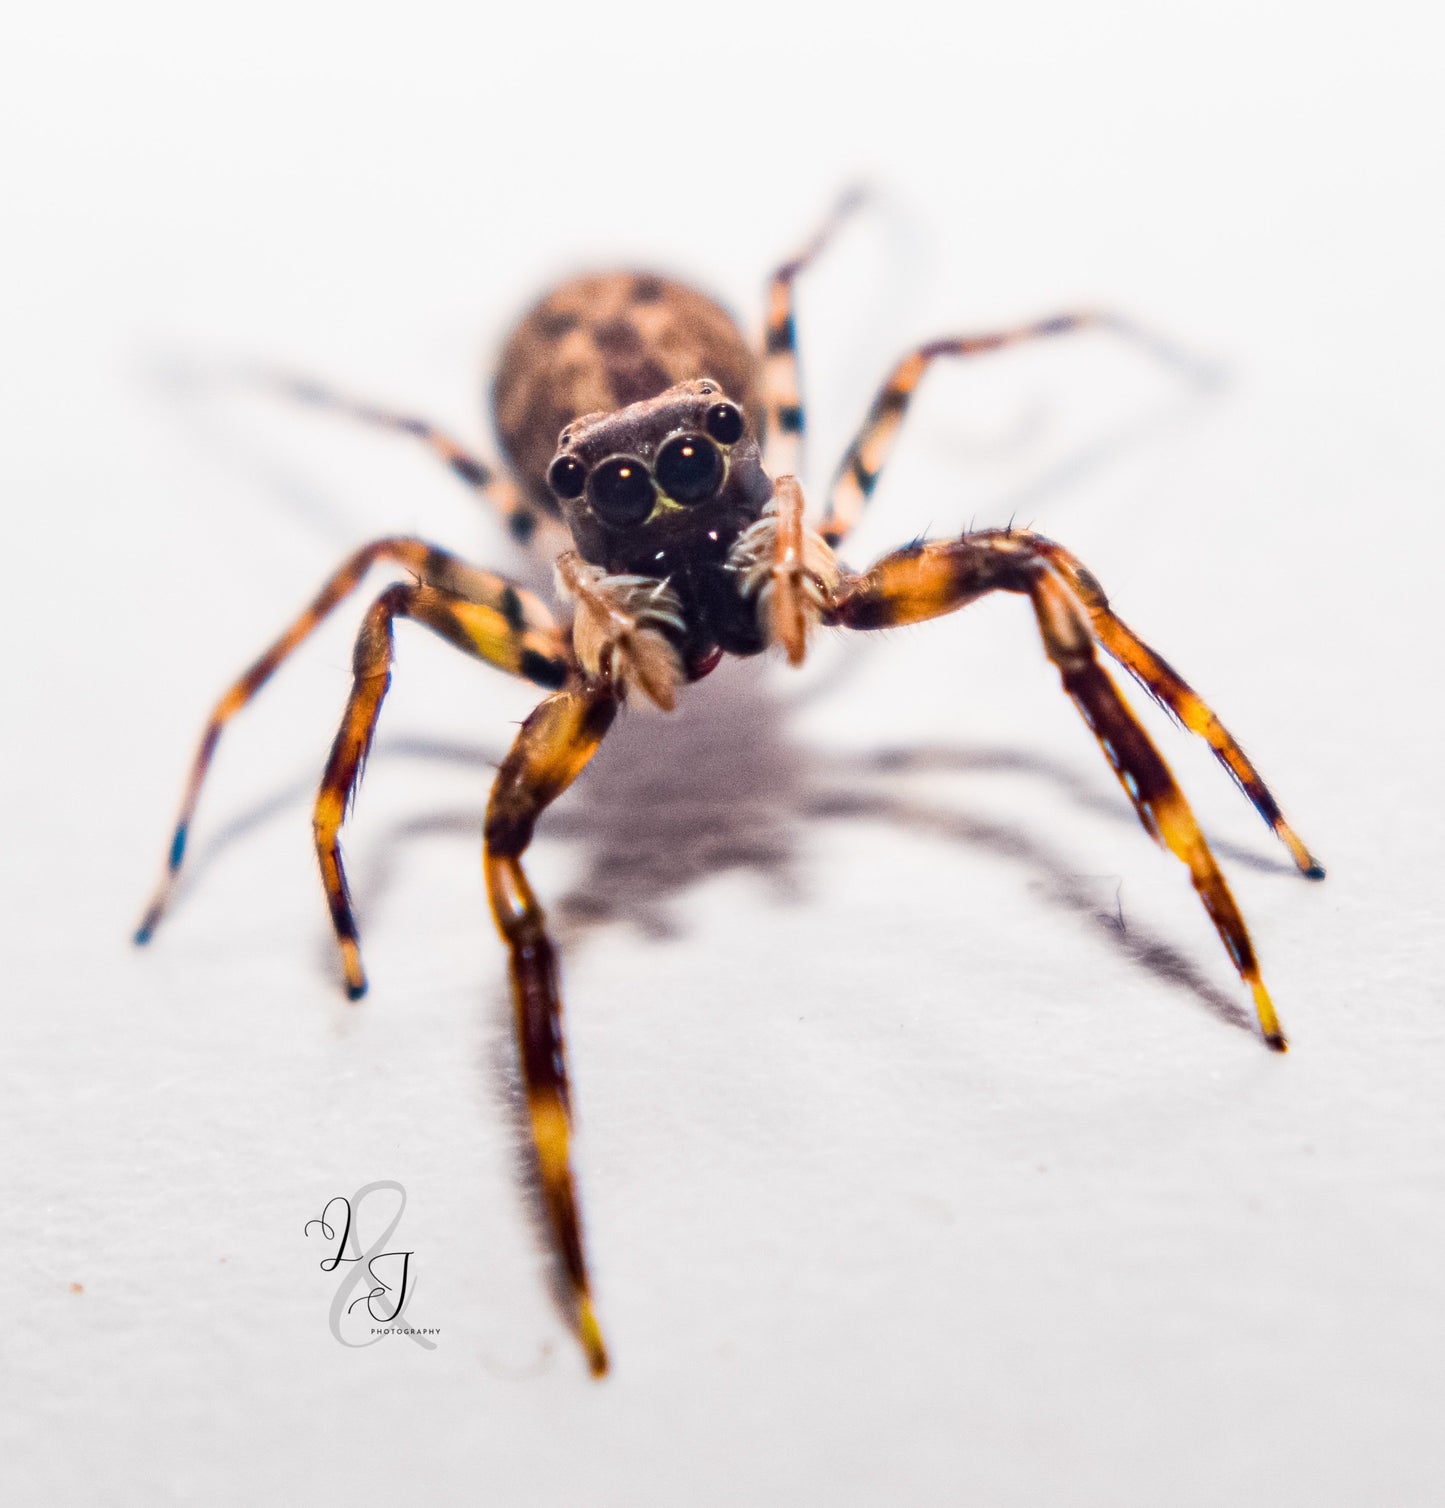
[{"x": 910, "y": 1174}]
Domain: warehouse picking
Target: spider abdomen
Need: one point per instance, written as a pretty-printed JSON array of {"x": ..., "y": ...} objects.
[{"x": 601, "y": 342}]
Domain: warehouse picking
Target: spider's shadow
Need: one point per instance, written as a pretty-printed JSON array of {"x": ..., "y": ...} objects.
[{"x": 670, "y": 802}]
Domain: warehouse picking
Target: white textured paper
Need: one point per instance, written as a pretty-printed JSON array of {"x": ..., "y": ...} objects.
[{"x": 926, "y": 1150}]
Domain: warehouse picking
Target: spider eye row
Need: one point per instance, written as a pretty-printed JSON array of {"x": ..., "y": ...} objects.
[{"x": 689, "y": 469}]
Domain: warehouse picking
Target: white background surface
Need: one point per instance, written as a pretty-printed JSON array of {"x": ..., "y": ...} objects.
[{"x": 926, "y": 1151}]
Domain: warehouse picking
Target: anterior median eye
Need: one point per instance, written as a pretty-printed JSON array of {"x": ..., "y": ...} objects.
[
  {"x": 689, "y": 468},
  {"x": 621, "y": 491}
]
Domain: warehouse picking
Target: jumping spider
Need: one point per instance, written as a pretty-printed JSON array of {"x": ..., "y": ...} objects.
[{"x": 634, "y": 413}]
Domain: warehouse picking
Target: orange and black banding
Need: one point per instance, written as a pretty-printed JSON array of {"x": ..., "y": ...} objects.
[
  {"x": 930, "y": 579},
  {"x": 863, "y": 462},
  {"x": 490, "y": 618},
  {"x": 785, "y": 417},
  {"x": 921, "y": 581},
  {"x": 785, "y": 420},
  {"x": 555, "y": 744},
  {"x": 1179, "y": 699},
  {"x": 500, "y": 631},
  {"x": 508, "y": 627},
  {"x": 517, "y": 512},
  {"x": 1167, "y": 817},
  {"x": 599, "y": 343},
  {"x": 371, "y": 670}
]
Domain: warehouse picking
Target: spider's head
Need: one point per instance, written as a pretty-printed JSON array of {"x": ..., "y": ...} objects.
[{"x": 659, "y": 479}]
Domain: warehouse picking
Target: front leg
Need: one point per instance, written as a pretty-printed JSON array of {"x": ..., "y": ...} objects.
[
  {"x": 930, "y": 579},
  {"x": 492, "y": 618},
  {"x": 555, "y": 744},
  {"x": 496, "y": 622},
  {"x": 1178, "y": 699}
]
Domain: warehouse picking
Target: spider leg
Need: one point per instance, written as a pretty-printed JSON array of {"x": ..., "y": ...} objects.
[
  {"x": 782, "y": 389},
  {"x": 484, "y": 630},
  {"x": 865, "y": 457},
  {"x": 1178, "y": 698},
  {"x": 520, "y": 636},
  {"x": 940, "y": 576},
  {"x": 492, "y": 486},
  {"x": 555, "y": 743},
  {"x": 788, "y": 568}
]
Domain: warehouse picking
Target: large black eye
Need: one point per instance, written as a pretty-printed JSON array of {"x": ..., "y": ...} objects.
[
  {"x": 724, "y": 423},
  {"x": 621, "y": 491},
  {"x": 689, "y": 468},
  {"x": 567, "y": 476}
]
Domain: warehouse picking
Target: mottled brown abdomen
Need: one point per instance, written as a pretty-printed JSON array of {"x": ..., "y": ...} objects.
[{"x": 598, "y": 343}]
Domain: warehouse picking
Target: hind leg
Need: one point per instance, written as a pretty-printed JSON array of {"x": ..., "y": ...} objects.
[{"x": 782, "y": 389}]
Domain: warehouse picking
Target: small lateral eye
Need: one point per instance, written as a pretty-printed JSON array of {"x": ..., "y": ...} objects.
[
  {"x": 621, "y": 491},
  {"x": 567, "y": 476},
  {"x": 689, "y": 468},
  {"x": 724, "y": 422}
]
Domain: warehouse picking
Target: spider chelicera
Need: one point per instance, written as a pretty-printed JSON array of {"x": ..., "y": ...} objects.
[{"x": 634, "y": 414}]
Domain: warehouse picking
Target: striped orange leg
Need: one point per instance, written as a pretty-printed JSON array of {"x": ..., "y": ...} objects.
[
  {"x": 499, "y": 632},
  {"x": 493, "y": 487},
  {"x": 531, "y": 646},
  {"x": 937, "y": 577},
  {"x": 555, "y": 743},
  {"x": 782, "y": 389},
  {"x": 1178, "y": 698},
  {"x": 864, "y": 459}
]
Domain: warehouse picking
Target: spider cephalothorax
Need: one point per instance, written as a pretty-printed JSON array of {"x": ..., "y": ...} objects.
[
  {"x": 686, "y": 549},
  {"x": 643, "y": 488}
]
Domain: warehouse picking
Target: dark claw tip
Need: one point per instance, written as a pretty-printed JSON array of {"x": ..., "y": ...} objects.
[
  {"x": 1315, "y": 872},
  {"x": 1276, "y": 1042},
  {"x": 143, "y": 934},
  {"x": 355, "y": 991}
]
